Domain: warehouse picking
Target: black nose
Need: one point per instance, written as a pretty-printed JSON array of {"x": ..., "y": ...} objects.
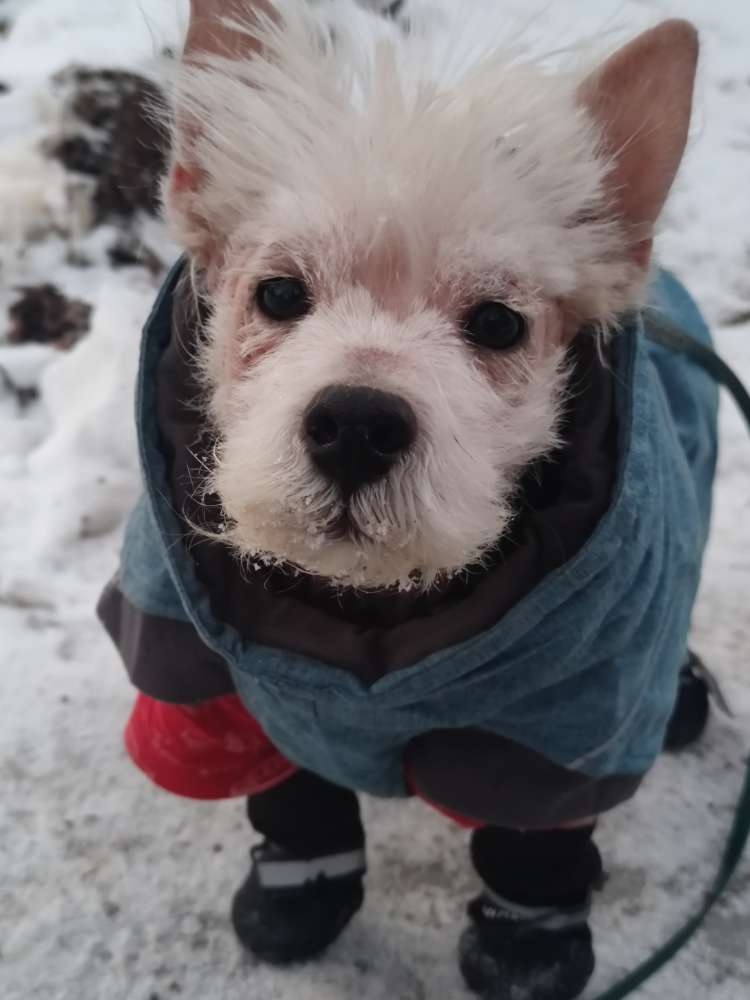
[{"x": 355, "y": 434}]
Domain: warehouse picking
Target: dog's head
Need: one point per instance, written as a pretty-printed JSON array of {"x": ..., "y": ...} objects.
[{"x": 396, "y": 253}]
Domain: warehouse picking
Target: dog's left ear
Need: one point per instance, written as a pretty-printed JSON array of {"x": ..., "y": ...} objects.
[
  {"x": 216, "y": 28},
  {"x": 641, "y": 98}
]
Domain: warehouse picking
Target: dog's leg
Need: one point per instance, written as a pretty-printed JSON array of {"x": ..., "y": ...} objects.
[
  {"x": 305, "y": 883},
  {"x": 529, "y": 935}
]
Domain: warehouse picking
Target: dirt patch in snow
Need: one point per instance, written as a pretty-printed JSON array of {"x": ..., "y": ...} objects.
[
  {"x": 112, "y": 135},
  {"x": 43, "y": 315}
]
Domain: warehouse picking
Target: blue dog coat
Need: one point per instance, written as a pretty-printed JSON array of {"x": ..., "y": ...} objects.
[{"x": 553, "y": 711}]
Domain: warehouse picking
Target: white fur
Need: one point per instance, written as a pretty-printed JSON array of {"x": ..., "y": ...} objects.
[
  {"x": 406, "y": 176},
  {"x": 442, "y": 506}
]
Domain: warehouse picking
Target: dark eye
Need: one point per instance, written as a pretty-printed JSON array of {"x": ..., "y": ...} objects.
[
  {"x": 283, "y": 298},
  {"x": 495, "y": 325}
]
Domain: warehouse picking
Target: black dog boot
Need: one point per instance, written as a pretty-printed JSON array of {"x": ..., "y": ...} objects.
[
  {"x": 690, "y": 714},
  {"x": 528, "y": 937},
  {"x": 290, "y": 909},
  {"x": 305, "y": 883},
  {"x": 513, "y": 952}
]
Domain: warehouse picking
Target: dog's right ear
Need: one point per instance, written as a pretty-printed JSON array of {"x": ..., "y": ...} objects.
[{"x": 220, "y": 28}]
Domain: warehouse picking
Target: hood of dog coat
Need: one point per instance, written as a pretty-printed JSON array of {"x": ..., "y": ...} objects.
[{"x": 576, "y": 660}]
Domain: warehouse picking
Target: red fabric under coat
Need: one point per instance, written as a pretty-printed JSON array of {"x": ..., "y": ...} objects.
[{"x": 212, "y": 750}]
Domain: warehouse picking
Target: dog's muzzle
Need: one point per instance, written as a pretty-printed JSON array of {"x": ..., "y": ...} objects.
[{"x": 355, "y": 434}]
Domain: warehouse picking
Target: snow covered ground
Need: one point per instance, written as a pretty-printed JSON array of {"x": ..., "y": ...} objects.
[{"x": 113, "y": 890}]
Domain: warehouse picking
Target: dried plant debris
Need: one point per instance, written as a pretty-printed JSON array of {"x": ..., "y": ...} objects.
[
  {"x": 44, "y": 315},
  {"x": 24, "y": 395},
  {"x": 739, "y": 318},
  {"x": 130, "y": 251},
  {"x": 110, "y": 133}
]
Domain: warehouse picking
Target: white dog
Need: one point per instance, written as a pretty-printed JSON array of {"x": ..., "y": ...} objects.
[{"x": 461, "y": 501}]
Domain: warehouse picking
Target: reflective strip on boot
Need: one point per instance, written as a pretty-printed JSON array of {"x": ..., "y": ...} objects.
[
  {"x": 549, "y": 918},
  {"x": 296, "y": 872}
]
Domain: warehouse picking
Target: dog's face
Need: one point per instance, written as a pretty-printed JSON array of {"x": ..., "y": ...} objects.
[
  {"x": 376, "y": 405},
  {"x": 395, "y": 267}
]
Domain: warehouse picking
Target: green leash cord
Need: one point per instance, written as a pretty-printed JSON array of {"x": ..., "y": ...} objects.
[{"x": 739, "y": 834}]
